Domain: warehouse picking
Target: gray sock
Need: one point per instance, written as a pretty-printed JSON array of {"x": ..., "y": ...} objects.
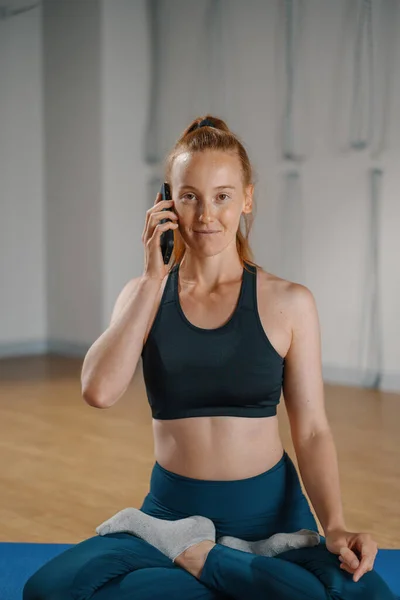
[
  {"x": 170, "y": 537},
  {"x": 276, "y": 544}
]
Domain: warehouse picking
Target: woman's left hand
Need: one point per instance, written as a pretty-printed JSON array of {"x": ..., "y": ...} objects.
[{"x": 351, "y": 547}]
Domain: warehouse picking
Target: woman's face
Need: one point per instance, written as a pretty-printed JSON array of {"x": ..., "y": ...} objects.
[{"x": 208, "y": 195}]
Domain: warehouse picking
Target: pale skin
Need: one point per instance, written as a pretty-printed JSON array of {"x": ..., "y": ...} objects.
[
  {"x": 233, "y": 447},
  {"x": 193, "y": 559}
]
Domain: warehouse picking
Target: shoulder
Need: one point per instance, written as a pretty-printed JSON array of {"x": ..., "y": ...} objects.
[
  {"x": 293, "y": 299},
  {"x": 290, "y": 290},
  {"x": 282, "y": 289}
]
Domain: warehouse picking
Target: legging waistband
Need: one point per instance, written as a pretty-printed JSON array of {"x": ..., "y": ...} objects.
[{"x": 267, "y": 492}]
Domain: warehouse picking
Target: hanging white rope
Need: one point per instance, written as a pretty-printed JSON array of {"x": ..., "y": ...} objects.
[
  {"x": 385, "y": 25},
  {"x": 152, "y": 147},
  {"x": 361, "y": 119},
  {"x": 213, "y": 26},
  {"x": 371, "y": 337},
  {"x": 291, "y": 215},
  {"x": 292, "y": 52}
]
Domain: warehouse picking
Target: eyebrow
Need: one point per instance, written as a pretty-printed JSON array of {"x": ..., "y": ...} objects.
[{"x": 218, "y": 187}]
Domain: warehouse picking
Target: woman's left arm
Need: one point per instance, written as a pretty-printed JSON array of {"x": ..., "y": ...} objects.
[
  {"x": 319, "y": 471},
  {"x": 303, "y": 391}
]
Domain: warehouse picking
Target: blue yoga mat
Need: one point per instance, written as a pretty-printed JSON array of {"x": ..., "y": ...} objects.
[{"x": 19, "y": 561}]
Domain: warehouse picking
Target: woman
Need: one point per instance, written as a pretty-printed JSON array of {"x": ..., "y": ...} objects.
[{"x": 225, "y": 516}]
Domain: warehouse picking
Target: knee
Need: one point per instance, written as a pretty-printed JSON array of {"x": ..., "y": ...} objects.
[
  {"x": 28, "y": 592},
  {"x": 38, "y": 587},
  {"x": 371, "y": 586},
  {"x": 31, "y": 590},
  {"x": 376, "y": 588}
]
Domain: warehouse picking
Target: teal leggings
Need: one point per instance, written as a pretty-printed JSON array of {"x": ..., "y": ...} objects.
[{"x": 123, "y": 567}]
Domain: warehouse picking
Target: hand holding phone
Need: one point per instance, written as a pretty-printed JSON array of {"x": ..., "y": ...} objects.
[
  {"x": 158, "y": 250},
  {"x": 167, "y": 237}
]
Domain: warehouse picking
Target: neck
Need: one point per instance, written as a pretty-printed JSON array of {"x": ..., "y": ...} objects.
[{"x": 208, "y": 274}]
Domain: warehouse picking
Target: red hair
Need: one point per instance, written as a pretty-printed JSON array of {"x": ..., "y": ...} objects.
[{"x": 217, "y": 137}]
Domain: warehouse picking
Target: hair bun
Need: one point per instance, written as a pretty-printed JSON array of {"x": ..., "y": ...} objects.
[{"x": 206, "y": 122}]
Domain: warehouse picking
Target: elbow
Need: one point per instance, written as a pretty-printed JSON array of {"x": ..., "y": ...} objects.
[
  {"x": 96, "y": 400},
  {"x": 92, "y": 399}
]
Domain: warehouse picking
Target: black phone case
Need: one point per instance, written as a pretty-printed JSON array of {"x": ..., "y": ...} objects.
[{"x": 167, "y": 237}]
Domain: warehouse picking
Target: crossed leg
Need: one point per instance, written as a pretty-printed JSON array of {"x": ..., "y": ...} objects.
[
  {"x": 304, "y": 574},
  {"x": 118, "y": 566},
  {"x": 121, "y": 567}
]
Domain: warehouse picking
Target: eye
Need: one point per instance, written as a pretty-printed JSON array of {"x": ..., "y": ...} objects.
[{"x": 222, "y": 197}]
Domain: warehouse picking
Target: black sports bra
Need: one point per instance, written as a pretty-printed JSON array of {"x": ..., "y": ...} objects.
[{"x": 232, "y": 370}]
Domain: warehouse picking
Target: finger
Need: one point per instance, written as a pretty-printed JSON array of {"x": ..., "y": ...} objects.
[
  {"x": 361, "y": 569},
  {"x": 369, "y": 550},
  {"x": 350, "y": 560},
  {"x": 344, "y": 567},
  {"x": 349, "y": 557},
  {"x": 365, "y": 565}
]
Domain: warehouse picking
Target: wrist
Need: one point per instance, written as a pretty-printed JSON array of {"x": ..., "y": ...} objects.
[{"x": 334, "y": 528}]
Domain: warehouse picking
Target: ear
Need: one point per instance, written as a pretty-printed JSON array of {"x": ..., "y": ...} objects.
[{"x": 248, "y": 202}]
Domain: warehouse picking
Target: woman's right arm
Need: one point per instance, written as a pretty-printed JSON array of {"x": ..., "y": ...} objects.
[{"x": 111, "y": 361}]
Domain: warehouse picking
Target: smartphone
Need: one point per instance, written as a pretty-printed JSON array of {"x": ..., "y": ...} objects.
[{"x": 167, "y": 237}]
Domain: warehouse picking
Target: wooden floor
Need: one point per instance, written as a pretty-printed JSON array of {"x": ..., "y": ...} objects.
[{"x": 65, "y": 467}]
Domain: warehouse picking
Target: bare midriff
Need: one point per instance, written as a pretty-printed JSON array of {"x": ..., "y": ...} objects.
[{"x": 217, "y": 448}]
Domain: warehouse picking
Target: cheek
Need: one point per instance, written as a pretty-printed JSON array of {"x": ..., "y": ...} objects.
[
  {"x": 231, "y": 217},
  {"x": 184, "y": 219},
  {"x": 184, "y": 212}
]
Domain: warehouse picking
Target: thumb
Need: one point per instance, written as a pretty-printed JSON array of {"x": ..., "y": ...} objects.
[{"x": 349, "y": 557}]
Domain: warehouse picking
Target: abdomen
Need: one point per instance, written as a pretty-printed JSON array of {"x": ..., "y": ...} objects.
[{"x": 217, "y": 448}]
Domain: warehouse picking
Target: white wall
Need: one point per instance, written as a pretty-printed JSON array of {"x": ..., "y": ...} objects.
[
  {"x": 23, "y": 320},
  {"x": 73, "y": 158},
  {"x": 96, "y": 85}
]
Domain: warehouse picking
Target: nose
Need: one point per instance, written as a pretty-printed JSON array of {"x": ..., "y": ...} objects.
[
  {"x": 205, "y": 215},
  {"x": 205, "y": 218}
]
